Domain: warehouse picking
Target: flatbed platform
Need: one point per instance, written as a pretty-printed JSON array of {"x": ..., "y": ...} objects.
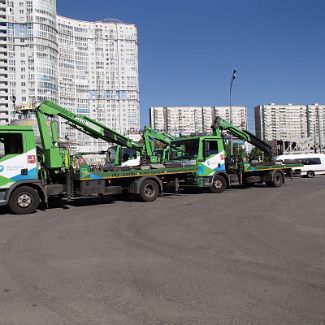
[
  {"x": 86, "y": 175},
  {"x": 259, "y": 168}
]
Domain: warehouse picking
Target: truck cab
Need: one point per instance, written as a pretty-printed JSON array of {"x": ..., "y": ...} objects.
[
  {"x": 206, "y": 152},
  {"x": 18, "y": 157},
  {"x": 18, "y": 167}
]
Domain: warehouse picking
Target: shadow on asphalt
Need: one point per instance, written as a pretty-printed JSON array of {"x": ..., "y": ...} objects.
[
  {"x": 4, "y": 210},
  {"x": 65, "y": 204}
]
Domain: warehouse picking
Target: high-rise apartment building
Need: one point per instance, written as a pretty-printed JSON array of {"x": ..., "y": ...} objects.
[
  {"x": 195, "y": 119},
  {"x": 4, "y": 64},
  {"x": 28, "y": 53},
  {"x": 302, "y": 124},
  {"x": 90, "y": 68},
  {"x": 98, "y": 74}
]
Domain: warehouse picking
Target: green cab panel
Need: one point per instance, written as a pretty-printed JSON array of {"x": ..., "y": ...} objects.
[{"x": 18, "y": 155}]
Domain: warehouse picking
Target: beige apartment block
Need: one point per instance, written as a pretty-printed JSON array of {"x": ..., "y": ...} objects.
[
  {"x": 303, "y": 124},
  {"x": 194, "y": 119}
]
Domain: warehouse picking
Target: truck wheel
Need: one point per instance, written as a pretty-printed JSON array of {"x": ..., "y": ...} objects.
[
  {"x": 310, "y": 174},
  {"x": 24, "y": 200},
  {"x": 277, "y": 180},
  {"x": 219, "y": 184},
  {"x": 149, "y": 190}
]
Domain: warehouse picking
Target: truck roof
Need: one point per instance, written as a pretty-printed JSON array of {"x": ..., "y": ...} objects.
[
  {"x": 15, "y": 128},
  {"x": 300, "y": 155}
]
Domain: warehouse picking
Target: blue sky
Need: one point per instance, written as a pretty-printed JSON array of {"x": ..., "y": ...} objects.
[{"x": 188, "y": 49}]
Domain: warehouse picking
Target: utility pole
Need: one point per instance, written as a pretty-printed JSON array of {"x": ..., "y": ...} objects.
[
  {"x": 315, "y": 149},
  {"x": 233, "y": 77}
]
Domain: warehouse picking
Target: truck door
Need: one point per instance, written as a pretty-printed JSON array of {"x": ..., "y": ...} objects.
[
  {"x": 214, "y": 159},
  {"x": 15, "y": 163}
]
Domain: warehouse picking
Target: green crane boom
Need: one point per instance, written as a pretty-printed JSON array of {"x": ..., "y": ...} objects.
[
  {"x": 150, "y": 136},
  {"x": 221, "y": 124},
  {"x": 86, "y": 125},
  {"x": 55, "y": 157}
]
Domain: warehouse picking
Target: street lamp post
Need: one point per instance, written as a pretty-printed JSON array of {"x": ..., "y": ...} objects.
[
  {"x": 233, "y": 77},
  {"x": 319, "y": 130}
]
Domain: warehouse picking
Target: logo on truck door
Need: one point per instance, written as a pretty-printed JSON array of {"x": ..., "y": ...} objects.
[
  {"x": 2, "y": 168},
  {"x": 31, "y": 159}
]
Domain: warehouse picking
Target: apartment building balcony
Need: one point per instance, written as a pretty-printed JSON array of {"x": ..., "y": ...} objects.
[
  {"x": 4, "y": 119},
  {"x": 4, "y": 104},
  {"x": 4, "y": 115}
]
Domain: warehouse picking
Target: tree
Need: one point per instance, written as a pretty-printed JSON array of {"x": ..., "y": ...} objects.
[
  {"x": 238, "y": 149},
  {"x": 256, "y": 154}
]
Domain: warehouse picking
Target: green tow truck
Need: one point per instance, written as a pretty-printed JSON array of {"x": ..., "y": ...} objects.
[
  {"x": 31, "y": 174},
  {"x": 216, "y": 170}
]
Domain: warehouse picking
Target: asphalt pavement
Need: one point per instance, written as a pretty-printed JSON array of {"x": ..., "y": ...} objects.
[{"x": 246, "y": 256}]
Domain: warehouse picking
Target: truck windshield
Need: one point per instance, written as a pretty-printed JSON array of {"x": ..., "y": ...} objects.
[
  {"x": 127, "y": 154},
  {"x": 184, "y": 149}
]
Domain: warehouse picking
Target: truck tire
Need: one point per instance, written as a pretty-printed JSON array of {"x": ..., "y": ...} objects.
[
  {"x": 218, "y": 185},
  {"x": 149, "y": 190},
  {"x": 24, "y": 200},
  {"x": 310, "y": 174},
  {"x": 277, "y": 180}
]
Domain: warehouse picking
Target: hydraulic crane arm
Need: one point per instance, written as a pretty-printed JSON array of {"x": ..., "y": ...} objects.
[
  {"x": 222, "y": 124},
  {"x": 159, "y": 136},
  {"x": 150, "y": 135},
  {"x": 86, "y": 125}
]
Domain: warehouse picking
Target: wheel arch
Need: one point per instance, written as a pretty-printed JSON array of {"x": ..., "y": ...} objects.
[
  {"x": 310, "y": 174},
  {"x": 224, "y": 175},
  {"x": 34, "y": 185},
  {"x": 134, "y": 187},
  {"x": 269, "y": 176}
]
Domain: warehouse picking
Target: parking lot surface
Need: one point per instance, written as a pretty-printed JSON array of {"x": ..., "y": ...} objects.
[{"x": 246, "y": 256}]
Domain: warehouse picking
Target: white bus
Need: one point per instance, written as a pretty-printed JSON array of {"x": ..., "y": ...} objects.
[{"x": 314, "y": 163}]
